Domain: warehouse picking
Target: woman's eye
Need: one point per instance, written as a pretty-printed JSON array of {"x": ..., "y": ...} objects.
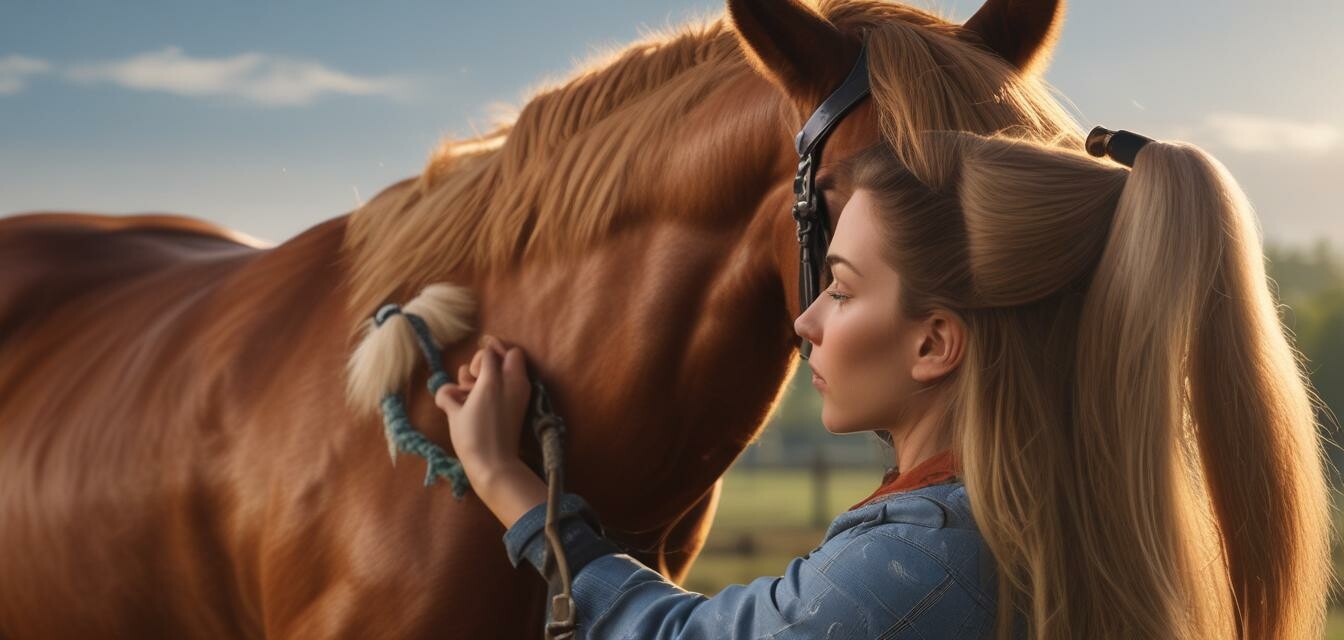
[{"x": 828, "y": 282}]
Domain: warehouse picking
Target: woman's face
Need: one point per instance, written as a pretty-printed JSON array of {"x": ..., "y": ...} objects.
[{"x": 869, "y": 362}]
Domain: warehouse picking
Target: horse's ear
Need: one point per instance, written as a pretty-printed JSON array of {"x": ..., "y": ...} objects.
[
  {"x": 793, "y": 46},
  {"x": 1023, "y": 32}
]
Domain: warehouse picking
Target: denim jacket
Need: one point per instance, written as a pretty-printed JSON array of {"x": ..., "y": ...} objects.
[{"x": 908, "y": 565}]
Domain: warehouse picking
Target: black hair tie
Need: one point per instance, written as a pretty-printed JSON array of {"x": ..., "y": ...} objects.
[{"x": 1121, "y": 146}]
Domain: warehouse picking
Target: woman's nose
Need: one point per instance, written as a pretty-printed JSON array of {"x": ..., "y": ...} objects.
[{"x": 803, "y": 326}]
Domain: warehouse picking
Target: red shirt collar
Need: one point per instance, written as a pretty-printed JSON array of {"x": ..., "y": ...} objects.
[{"x": 938, "y": 468}]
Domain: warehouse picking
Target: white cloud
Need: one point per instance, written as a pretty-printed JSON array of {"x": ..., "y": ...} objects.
[
  {"x": 254, "y": 77},
  {"x": 1268, "y": 134},
  {"x": 14, "y": 72}
]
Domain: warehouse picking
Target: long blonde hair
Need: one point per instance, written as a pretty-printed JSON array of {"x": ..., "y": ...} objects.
[{"x": 1135, "y": 428}]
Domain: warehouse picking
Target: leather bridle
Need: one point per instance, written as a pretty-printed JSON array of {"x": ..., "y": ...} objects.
[{"x": 809, "y": 210}]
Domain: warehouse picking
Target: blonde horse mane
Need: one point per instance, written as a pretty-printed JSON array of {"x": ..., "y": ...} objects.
[
  {"x": 552, "y": 180},
  {"x": 386, "y": 355},
  {"x": 483, "y": 196}
]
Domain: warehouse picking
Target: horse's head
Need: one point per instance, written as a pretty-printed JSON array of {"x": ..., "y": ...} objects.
[{"x": 923, "y": 73}]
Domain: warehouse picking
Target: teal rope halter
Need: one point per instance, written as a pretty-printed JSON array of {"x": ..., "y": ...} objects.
[
  {"x": 547, "y": 426},
  {"x": 397, "y": 424}
]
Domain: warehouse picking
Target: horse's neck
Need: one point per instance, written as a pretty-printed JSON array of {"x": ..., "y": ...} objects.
[
  {"x": 667, "y": 344},
  {"x": 664, "y": 344}
]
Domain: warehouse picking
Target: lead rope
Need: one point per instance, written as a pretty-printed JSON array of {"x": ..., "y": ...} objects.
[
  {"x": 547, "y": 426},
  {"x": 401, "y": 434}
]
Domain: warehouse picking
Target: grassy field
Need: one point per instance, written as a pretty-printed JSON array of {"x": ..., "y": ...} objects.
[{"x": 766, "y": 518}]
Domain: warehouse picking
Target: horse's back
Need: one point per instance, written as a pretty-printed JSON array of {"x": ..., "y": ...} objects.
[
  {"x": 90, "y": 307},
  {"x": 49, "y": 259}
]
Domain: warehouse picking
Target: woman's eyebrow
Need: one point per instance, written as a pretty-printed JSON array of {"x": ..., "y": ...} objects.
[{"x": 832, "y": 259}]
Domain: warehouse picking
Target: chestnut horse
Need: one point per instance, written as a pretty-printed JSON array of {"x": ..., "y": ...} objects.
[{"x": 178, "y": 457}]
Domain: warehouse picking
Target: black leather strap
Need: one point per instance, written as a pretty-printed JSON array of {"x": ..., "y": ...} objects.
[
  {"x": 833, "y": 109},
  {"x": 809, "y": 210}
]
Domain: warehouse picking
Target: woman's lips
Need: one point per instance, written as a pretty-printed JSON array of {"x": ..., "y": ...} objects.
[{"x": 818, "y": 381}]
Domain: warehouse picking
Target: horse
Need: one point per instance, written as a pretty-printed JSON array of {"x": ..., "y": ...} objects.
[{"x": 182, "y": 453}]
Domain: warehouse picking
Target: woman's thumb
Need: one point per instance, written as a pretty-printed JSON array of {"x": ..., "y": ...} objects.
[{"x": 445, "y": 400}]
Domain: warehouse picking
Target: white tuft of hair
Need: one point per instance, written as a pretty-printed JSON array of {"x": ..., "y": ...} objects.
[{"x": 387, "y": 355}]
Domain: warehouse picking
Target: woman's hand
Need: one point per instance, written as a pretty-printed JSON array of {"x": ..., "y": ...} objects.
[
  {"x": 486, "y": 408},
  {"x": 485, "y": 411}
]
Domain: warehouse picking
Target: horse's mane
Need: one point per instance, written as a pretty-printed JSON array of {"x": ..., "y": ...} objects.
[
  {"x": 479, "y": 202},
  {"x": 552, "y": 182}
]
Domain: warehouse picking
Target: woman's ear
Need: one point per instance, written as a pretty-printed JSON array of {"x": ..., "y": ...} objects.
[
  {"x": 942, "y": 345},
  {"x": 794, "y": 47}
]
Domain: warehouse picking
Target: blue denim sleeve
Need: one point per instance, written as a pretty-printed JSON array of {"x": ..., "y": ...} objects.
[
  {"x": 876, "y": 583},
  {"x": 579, "y": 529}
]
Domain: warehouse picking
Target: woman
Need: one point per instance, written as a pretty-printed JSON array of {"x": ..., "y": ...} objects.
[{"x": 1085, "y": 357}]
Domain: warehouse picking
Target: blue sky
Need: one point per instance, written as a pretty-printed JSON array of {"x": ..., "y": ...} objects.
[{"x": 271, "y": 117}]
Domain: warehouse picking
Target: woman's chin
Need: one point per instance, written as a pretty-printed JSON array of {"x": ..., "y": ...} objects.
[{"x": 837, "y": 428}]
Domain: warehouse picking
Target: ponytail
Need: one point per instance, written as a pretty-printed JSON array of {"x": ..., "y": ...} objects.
[
  {"x": 1135, "y": 429},
  {"x": 1195, "y": 419}
]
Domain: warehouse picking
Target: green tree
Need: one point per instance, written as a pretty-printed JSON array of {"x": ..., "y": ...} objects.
[{"x": 1309, "y": 284}]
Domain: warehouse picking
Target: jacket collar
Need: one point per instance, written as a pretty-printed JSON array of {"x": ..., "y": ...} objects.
[{"x": 939, "y": 468}]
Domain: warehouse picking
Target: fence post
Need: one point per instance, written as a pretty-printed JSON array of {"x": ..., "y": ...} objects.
[{"x": 821, "y": 512}]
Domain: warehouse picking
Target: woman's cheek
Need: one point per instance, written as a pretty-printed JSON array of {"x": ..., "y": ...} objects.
[{"x": 869, "y": 352}]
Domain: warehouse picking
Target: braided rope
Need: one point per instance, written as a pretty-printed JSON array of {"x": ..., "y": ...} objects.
[{"x": 400, "y": 433}]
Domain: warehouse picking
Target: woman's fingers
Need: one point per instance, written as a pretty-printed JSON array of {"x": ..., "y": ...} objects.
[
  {"x": 513, "y": 362},
  {"x": 488, "y": 344},
  {"x": 508, "y": 365},
  {"x": 515, "y": 372},
  {"x": 489, "y": 376},
  {"x": 493, "y": 350},
  {"x": 475, "y": 367},
  {"x": 493, "y": 345}
]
